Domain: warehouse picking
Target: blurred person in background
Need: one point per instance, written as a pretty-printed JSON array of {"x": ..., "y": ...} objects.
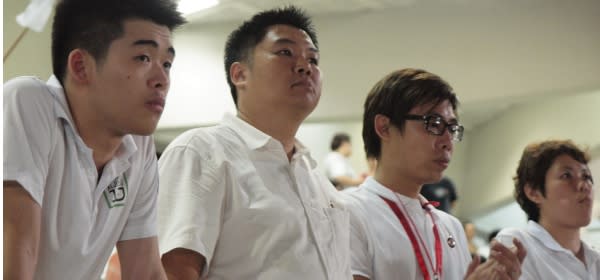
[
  {"x": 337, "y": 164},
  {"x": 442, "y": 192}
]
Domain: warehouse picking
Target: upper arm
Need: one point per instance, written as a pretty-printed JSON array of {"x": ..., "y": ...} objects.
[
  {"x": 183, "y": 264},
  {"x": 22, "y": 223},
  {"x": 139, "y": 259},
  {"x": 142, "y": 220},
  {"x": 191, "y": 201},
  {"x": 360, "y": 251}
]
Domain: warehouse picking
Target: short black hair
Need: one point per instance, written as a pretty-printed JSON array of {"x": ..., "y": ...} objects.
[
  {"x": 398, "y": 93},
  {"x": 338, "y": 140},
  {"x": 242, "y": 41},
  {"x": 94, "y": 25},
  {"x": 535, "y": 162}
]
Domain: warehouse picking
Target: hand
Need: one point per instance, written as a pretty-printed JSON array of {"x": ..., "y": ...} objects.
[
  {"x": 503, "y": 264},
  {"x": 509, "y": 260}
]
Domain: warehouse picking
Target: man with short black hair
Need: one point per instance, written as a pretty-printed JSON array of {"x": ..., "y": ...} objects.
[
  {"x": 80, "y": 172},
  {"x": 244, "y": 199}
]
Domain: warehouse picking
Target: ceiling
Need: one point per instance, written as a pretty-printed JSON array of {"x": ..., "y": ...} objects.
[{"x": 495, "y": 53}]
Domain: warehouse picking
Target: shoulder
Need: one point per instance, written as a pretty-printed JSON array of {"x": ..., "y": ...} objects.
[
  {"x": 27, "y": 90},
  {"x": 24, "y": 83},
  {"x": 215, "y": 143},
  {"x": 449, "y": 220}
]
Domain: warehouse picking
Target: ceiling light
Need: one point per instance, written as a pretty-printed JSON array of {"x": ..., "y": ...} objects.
[{"x": 187, "y": 7}]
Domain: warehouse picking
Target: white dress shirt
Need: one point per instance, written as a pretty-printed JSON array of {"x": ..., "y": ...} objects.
[
  {"x": 381, "y": 248},
  {"x": 230, "y": 193},
  {"x": 548, "y": 260}
]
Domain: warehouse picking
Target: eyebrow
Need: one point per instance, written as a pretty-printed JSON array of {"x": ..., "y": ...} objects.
[
  {"x": 450, "y": 121},
  {"x": 569, "y": 168},
  {"x": 154, "y": 44},
  {"x": 285, "y": 41}
]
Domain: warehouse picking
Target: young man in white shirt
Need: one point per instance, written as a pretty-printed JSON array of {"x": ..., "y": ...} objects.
[
  {"x": 78, "y": 177},
  {"x": 337, "y": 166},
  {"x": 410, "y": 126},
  {"x": 554, "y": 186},
  {"x": 244, "y": 199}
]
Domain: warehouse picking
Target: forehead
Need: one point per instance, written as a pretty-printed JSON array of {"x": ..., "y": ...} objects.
[
  {"x": 443, "y": 109},
  {"x": 283, "y": 34},
  {"x": 136, "y": 29},
  {"x": 565, "y": 161}
]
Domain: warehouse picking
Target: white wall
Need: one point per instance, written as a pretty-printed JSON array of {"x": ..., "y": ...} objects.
[
  {"x": 317, "y": 137},
  {"x": 496, "y": 147}
]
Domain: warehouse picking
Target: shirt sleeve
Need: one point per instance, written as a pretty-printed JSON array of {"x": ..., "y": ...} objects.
[
  {"x": 361, "y": 258},
  {"x": 28, "y": 115},
  {"x": 190, "y": 201},
  {"x": 141, "y": 222}
]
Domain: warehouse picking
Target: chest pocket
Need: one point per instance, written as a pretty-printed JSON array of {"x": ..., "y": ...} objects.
[{"x": 331, "y": 228}]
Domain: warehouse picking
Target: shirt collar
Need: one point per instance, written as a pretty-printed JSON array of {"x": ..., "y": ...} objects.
[
  {"x": 256, "y": 139},
  {"x": 377, "y": 188},
  {"x": 61, "y": 106},
  {"x": 542, "y": 235}
]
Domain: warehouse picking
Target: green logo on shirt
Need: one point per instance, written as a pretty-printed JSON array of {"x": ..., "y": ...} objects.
[{"x": 116, "y": 192}]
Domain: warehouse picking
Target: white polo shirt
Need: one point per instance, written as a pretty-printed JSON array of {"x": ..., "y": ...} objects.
[
  {"x": 548, "y": 260},
  {"x": 82, "y": 217},
  {"x": 230, "y": 193},
  {"x": 380, "y": 247},
  {"x": 337, "y": 165}
]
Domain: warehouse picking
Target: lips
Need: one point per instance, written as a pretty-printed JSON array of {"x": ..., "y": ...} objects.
[
  {"x": 303, "y": 83},
  {"x": 444, "y": 162},
  {"x": 156, "y": 104},
  {"x": 586, "y": 199}
]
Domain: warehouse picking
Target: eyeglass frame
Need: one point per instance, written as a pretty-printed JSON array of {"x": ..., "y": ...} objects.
[{"x": 457, "y": 134}]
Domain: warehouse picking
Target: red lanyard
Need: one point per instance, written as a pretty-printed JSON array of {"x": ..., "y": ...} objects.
[{"x": 437, "y": 271}]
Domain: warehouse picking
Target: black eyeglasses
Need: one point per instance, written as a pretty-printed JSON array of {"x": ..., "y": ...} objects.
[{"x": 436, "y": 125}]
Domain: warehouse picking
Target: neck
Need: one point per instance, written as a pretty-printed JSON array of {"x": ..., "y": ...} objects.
[
  {"x": 280, "y": 128},
  {"x": 93, "y": 131},
  {"x": 568, "y": 238},
  {"x": 396, "y": 182}
]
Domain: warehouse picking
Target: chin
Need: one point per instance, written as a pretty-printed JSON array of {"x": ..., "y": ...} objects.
[{"x": 144, "y": 130}]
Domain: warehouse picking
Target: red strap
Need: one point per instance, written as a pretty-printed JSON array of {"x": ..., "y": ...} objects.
[{"x": 414, "y": 242}]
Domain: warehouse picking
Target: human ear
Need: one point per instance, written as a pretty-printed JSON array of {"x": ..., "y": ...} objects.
[
  {"x": 79, "y": 66},
  {"x": 535, "y": 195},
  {"x": 238, "y": 75},
  {"x": 382, "y": 126}
]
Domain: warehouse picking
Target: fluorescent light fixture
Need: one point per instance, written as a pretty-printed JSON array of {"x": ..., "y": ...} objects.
[{"x": 187, "y": 7}]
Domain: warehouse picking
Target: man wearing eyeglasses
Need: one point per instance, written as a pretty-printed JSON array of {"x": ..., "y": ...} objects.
[{"x": 410, "y": 126}]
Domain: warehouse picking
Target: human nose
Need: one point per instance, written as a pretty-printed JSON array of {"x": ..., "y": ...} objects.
[
  {"x": 159, "y": 78},
  {"x": 303, "y": 66},
  {"x": 446, "y": 139},
  {"x": 585, "y": 185}
]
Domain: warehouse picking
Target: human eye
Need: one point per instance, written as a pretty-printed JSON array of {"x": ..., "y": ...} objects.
[
  {"x": 314, "y": 60},
  {"x": 285, "y": 52},
  {"x": 435, "y": 121},
  {"x": 588, "y": 177},
  {"x": 566, "y": 175},
  {"x": 167, "y": 65},
  {"x": 143, "y": 58}
]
